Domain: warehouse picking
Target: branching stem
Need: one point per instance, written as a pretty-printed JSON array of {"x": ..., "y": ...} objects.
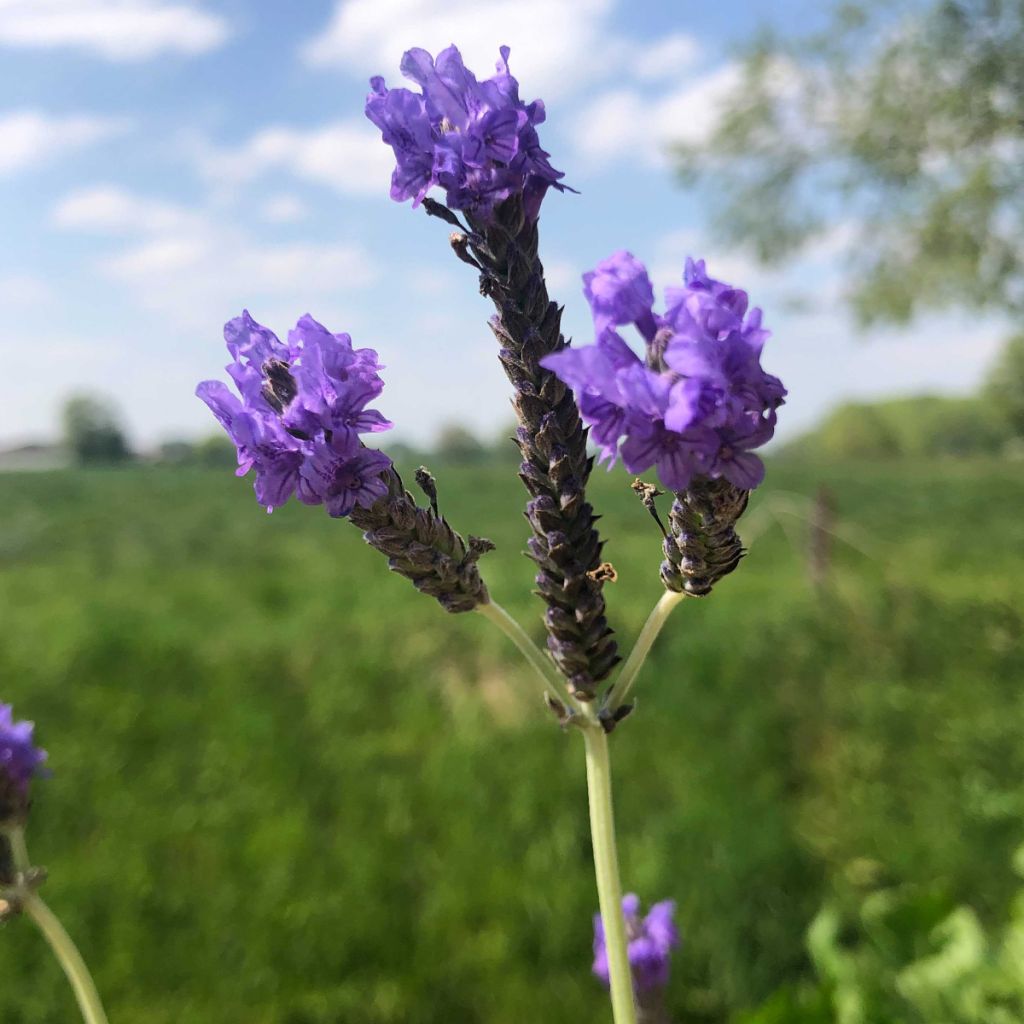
[
  {"x": 533, "y": 654},
  {"x": 652, "y": 627}
]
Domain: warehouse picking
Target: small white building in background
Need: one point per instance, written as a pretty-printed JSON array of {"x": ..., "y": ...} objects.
[{"x": 34, "y": 457}]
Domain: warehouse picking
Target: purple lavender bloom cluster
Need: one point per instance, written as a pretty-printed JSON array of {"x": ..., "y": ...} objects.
[
  {"x": 475, "y": 139},
  {"x": 20, "y": 762},
  {"x": 651, "y": 941},
  {"x": 698, "y": 402},
  {"x": 302, "y": 410}
]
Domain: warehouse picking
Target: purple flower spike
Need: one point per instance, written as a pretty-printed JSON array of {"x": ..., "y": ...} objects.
[
  {"x": 298, "y": 425},
  {"x": 475, "y": 139},
  {"x": 302, "y": 409},
  {"x": 21, "y": 761},
  {"x": 651, "y": 941},
  {"x": 698, "y": 402}
]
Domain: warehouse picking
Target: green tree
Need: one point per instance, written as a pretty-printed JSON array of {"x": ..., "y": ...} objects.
[
  {"x": 899, "y": 121},
  {"x": 92, "y": 432},
  {"x": 457, "y": 444},
  {"x": 216, "y": 450},
  {"x": 1004, "y": 388}
]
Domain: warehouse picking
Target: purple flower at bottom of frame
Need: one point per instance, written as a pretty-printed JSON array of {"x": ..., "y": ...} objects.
[
  {"x": 20, "y": 759},
  {"x": 650, "y": 939},
  {"x": 341, "y": 479}
]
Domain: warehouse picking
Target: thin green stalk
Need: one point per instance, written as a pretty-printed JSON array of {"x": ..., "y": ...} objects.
[
  {"x": 53, "y": 931},
  {"x": 533, "y": 654},
  {"x": 652, "y": 627},
  {"x": 606, "y": 868},
  {"x": 19, "y": 851},
  {"x": 69, "y": 958}
]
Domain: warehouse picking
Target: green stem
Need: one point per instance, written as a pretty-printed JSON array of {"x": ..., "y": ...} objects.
[
  {"x": 19, "y": 851},
  {"x": 652, "y": 627},
  {"x": 533, "y": 654},
  {"x": 69, "y": 958},
  {"x": 53, "y": 931},
  {"x": 606, "y": 868}
]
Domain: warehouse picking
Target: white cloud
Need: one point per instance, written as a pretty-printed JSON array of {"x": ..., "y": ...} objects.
[
  {"x": 121, "y": 30},
  {"x": 186, "y": 264},
  {"x": 557, "y": 45},
  {"x": 200, "y": 278},
  {"x": 562, "y": 276},
  {"x": 23, "y": 290},
  {"x": 631, "y": 124},
  {"x": 107, "y": 209},
  {"x": 284, "y": 209},
  {"x": 663, "y": 59},
  {"x": 196, "y": 276},
  {"x": 29, "y": 137},
  {"x": 346, "y": 155}
]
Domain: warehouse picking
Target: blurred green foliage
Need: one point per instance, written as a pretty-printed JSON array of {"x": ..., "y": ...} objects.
[
  {"x": 900, "y": 953},
  {"x": 899, "y": 124},
  {"x": 289, "y": 789},
  {"x": 92, "y": 432},
  {"x": 1004, "y": 387},
  {"x": 921, "y": 427}
]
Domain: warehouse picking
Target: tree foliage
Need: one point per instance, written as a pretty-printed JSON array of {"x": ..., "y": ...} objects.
[
  {"x": 1004, "y": 388},
  {"x": 900, "y": 123},
  {"x": 92, "y": 432}
]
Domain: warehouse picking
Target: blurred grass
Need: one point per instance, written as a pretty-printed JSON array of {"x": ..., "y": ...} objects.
[{"x": 289, "y": 789}]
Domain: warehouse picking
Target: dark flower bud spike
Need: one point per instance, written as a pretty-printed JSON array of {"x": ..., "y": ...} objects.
[
  {"x": 422, "y": 547},
  {"x": 552, "y": 441},
  {"x": 702, "y": 545}
]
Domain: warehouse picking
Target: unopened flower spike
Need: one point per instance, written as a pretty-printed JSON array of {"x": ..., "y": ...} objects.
[
  {"x": 298, "y": 421},
  {"x": 478, "y": 141},
  {"x": 693, "y": 407}
]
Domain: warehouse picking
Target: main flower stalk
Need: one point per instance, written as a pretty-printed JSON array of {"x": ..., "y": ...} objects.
[
  {"x": 553, "y": 442},
  {"x": 606, "y": 869}
]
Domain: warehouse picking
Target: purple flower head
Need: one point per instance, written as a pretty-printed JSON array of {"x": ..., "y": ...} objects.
[
  {"x": 475, "y": 139},
  {"x": 699, "y": 401},
  {"x": 302, "y": 409},
  {"x": 651, "y": 941},
  {"x": 20, "y": 762}
]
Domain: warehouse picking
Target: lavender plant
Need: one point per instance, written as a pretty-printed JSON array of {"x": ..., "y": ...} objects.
[{"x": 692, "y": 408}]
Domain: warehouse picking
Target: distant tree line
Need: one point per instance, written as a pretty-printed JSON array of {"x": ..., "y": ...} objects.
[{"x": 989, "y": 423}]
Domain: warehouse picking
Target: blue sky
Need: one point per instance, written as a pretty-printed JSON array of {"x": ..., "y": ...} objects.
[{"x": 164, "y": 163}]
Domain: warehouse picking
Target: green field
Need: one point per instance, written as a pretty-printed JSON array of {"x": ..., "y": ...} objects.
[{"x": 287, "y": 788}]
